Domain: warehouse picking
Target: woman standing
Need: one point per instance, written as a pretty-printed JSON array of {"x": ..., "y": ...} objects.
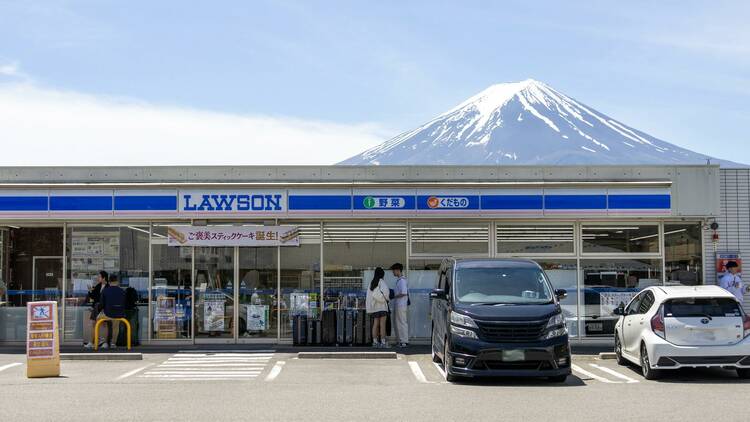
[{"x": 376, "y": 303}]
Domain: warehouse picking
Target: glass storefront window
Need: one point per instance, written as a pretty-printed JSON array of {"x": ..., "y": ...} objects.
[
  {"x": 563, "y": 274},
  {"x": 171, "y": 291},
  {"x": 30, "y": 269},
  {"x": 529, "y": 239},
  {"x": 609, "y": 283},
  {"x": 423, "y": 277},
  {"x": 351, "y": 252},
  {"x": 257, "y": 296},
  {"x": 122, "y": 251},
  {"x": 300, "y": 277},
  {"x": 683, "y": 253},
  {"x": 614, "y": 239},
  {"x": 446, "y": 239}
]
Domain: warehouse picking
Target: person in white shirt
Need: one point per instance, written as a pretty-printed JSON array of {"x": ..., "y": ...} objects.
[
  {"x": 376, "y": 303},
  {"x": 400, "y": 305},
  {"x": 732, "y": 282}
]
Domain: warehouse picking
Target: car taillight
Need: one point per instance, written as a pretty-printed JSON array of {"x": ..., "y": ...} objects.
[
  {"x": 746, "y": 325},
  {"x": 657, "y": 323}
]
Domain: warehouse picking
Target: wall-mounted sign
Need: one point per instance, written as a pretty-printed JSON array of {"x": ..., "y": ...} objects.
[
  {"x": 723, "y": 258},
  {"x": 228, "y": 201},
  {"x": 233, "y": 236},
  {"x": 42, "y": 343}
]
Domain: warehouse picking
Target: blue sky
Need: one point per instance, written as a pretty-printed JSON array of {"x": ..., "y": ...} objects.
[{"x": 328, "y": 79}]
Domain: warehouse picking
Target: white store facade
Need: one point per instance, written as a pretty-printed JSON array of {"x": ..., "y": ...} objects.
[{"x": 601, "y": 232}]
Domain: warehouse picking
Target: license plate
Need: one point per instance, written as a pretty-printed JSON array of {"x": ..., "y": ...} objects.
[
  {"x": 595, "y": 326},
  {"x": 513, "y": 355}
]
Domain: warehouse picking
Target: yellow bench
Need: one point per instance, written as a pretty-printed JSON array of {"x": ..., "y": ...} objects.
[{"x": 114, "y": 320}]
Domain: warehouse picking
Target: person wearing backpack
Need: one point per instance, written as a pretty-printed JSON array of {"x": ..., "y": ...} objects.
[{"x": 376, "y": 303}]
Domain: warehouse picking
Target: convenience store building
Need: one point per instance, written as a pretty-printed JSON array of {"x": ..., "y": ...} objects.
[{"x": 231, "y": 254}]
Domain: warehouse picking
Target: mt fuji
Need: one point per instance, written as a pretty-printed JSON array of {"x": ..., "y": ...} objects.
[{"x": 527, "y": 123}]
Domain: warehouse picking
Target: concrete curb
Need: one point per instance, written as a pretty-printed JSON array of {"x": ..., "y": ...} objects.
[
  {"x": 347, "y": 355},
  {"x": 607, "y": 355},
  {"x": 101, "y": 356}
]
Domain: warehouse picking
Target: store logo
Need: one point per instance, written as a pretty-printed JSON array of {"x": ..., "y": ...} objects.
[
  {"x": 232, "y": 202},
  {"x": 437, "y": 202},
  {"x": 383, "y": 202}
]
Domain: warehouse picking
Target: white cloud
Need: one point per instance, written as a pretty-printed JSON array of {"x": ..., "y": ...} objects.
[
  {"x": 40, "y": 126},
  {"x": 10, "y": 70}
]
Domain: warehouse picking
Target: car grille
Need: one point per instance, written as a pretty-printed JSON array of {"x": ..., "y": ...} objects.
[
  {"x": 511, "y": 332},
  {"x": 498, "y": 365}
]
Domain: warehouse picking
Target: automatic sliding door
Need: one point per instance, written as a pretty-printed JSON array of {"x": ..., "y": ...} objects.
[
  {"x": 257, "y": 304},
  {"x": 214, "y": 293}
]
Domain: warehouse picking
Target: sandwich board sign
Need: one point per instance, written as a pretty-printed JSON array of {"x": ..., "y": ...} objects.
[{"x": 42, "y": 342}]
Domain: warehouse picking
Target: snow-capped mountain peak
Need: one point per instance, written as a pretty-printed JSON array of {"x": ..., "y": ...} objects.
[{"x": 526, "y": 122}]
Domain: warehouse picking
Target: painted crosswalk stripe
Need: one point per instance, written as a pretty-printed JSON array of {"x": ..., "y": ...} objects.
[
  {"x": 211, "y": 365},
  {"x": 593, "y": 376},
  {"x": 275, "y": 371},
  {"x": 614, "y": 373}
]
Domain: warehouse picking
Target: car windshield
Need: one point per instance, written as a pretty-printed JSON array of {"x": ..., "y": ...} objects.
[
  {"x": 701, "y": 307},
  {"x": 513, "y": 286}
]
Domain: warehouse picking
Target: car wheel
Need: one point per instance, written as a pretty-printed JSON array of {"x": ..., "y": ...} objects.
[
  {"x": 558, "y": 378},
  {"x": 743, "y": 373},
  {"x": 648, "y": 373},
  {"x": 435, "y": 357},
  {"x": 447, "y": 363},
  {"x": 618, "y": 351}
]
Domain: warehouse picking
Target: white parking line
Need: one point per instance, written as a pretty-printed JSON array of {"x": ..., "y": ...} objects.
[
  {"x": 593, "y": 376},
  {"x": 133, "y": 372},
  {"x": 440, "y": 369},
  {"x": 275, "y": 371},
  {"x": 10, "y": 365},
  {"x": 417, "y": 371},
  {"x": 614, "y": 373}
]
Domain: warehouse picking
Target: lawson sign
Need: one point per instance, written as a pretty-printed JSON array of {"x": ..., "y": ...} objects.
[{"x": 231, "y": 201}]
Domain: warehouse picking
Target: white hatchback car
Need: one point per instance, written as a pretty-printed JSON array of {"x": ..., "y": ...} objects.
[{"x": 674, "y": 327}]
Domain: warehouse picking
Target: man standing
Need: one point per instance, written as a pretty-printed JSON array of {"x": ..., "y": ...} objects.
[
  {"x": 400, "y": 304},
  {"x": 732, "y": 282}
]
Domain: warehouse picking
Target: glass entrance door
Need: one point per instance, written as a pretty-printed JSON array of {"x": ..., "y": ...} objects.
[
  {"x": 258, "y": 300},
  {"x": 214, "y": 291}
]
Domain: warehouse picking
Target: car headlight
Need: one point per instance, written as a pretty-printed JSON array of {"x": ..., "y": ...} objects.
[
  {"x": 555, "y": 327},
  {"x": 557, "y": 319},
  {"x": 460, "y": 319},
  {"x": 463, "y": 332}
]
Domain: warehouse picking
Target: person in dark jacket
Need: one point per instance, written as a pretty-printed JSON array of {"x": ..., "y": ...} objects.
[
  {"x": 94, "y": 298},
  {"x": 131, "y": 313},
  {"x": 113, "y": 306}
]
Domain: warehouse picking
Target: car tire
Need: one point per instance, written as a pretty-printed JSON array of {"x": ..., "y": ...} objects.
[
  {"x": 743, "y": 373},
  {"x": 618, "y": 351},
  {"x": 646, "y": 370},
  {"x": 435, "y": 357},
  {"x": 558, "y": 378},
  {"x": 447, "y": 363}
]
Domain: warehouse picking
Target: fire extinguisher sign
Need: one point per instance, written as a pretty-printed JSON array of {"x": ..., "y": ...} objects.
[{"x": 722, "y": 258}]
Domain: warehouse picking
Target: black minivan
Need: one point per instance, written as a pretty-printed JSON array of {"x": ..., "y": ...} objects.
[{"x": 498, "y": 317}]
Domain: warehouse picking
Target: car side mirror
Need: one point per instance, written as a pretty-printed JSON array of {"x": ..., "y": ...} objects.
[
  {"x": 438, "y": 294},
  {"x": 620, "y": 310},
  {"x": 561, "y": 294}
]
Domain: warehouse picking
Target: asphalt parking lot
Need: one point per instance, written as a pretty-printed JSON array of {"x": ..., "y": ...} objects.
[{"x": 264, "y": 384}]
